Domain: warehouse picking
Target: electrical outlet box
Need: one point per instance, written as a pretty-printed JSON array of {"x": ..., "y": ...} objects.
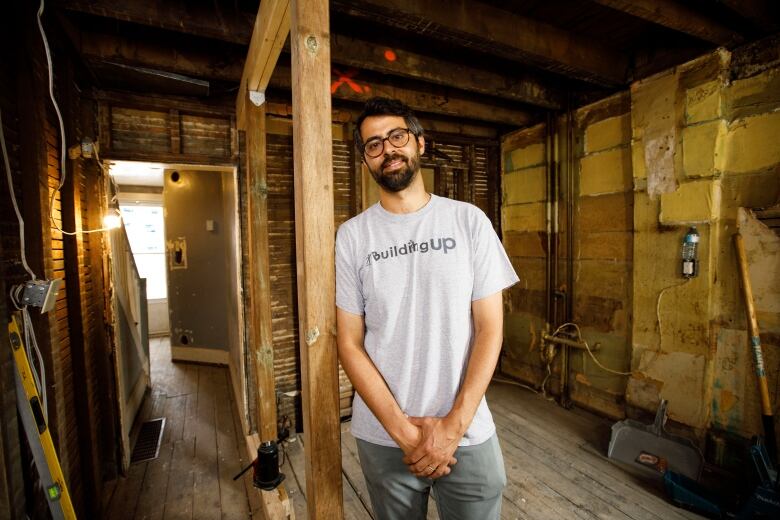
[{"x": 41, "y": 293}]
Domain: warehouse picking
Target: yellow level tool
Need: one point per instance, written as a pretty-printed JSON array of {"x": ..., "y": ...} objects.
[{"x": 37, "y": 431}]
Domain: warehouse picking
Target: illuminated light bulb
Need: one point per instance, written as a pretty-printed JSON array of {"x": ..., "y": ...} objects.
[
  {"x": 390, "y": 55},
  {"x": 112, "y": 221}
]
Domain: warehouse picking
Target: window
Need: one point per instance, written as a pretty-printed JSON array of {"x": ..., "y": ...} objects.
[{"x": 146, "y": 231}]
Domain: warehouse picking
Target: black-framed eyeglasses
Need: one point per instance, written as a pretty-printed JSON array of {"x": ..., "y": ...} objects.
[{"x": 376, "y": 145}]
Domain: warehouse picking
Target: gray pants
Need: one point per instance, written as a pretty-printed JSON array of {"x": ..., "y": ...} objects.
[{"x": 472, "y": 490}]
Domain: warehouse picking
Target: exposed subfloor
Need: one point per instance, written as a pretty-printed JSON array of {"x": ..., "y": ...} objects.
[
  {"x": 202, "y": 448},
  {"x": 555, "y": 463}
]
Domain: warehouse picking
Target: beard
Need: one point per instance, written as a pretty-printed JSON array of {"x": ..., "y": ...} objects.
[{"x": 400, "y": 179}]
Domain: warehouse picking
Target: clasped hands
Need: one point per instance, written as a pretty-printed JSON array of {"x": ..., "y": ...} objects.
[{"x": 429, "y": 446}]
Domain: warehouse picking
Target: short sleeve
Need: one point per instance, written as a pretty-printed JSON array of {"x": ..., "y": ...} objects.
[
  {"x": 493, "y": 272},
  {"x": 349, "y": 293}
]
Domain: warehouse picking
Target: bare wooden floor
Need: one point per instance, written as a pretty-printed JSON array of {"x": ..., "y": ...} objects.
[
  {"x": 555, "y": 463},
  {"x": 201, "y": 451}
]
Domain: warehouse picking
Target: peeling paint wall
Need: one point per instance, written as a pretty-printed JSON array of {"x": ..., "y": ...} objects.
[
  {"x": 689, "y": 339},
  {"x": 524, "y": 225},
  {"x": 602, "y": 251},
  {"x": 690, "y": 146}
]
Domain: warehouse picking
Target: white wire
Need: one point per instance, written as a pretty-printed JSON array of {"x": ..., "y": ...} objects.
[
  {"x": 63, "y": 172},
  {"x": 658, "y": 308},
  {"x": 63, "y": 151},
  {"x": 7, "y": 165},
  {"x": 587, "y": 347}
]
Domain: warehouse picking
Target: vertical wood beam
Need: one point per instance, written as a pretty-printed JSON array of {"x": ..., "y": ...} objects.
[
  {"x": 100, "y": 339},
  {"x": 314, "y": 238},
  {"x": 260, "y": 333},
  {"x": 78, "y": 319}
]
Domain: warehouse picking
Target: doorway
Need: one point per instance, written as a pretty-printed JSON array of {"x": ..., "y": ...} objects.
[{"x": 182, "y": 223}]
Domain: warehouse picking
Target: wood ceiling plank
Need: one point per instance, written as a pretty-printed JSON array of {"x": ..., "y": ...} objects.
[
  {"x": 525, "y": 88},
  {"x": 351, "y": 52},
  {"x": 207, "y": 20},
  {"x": 496, "y": 31},
  {"x": 677, "y": 17},
  {"x": 178, "y": 59},
  {"x": 437, "y": 100},
  {"x": 440, "y": 101}
]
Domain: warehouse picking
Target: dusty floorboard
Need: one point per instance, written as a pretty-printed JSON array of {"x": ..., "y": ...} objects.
[
  {"x": 554, "y": 458},
  {"x": 200, "y": 451},
  {"x": 555, "y": 464}
]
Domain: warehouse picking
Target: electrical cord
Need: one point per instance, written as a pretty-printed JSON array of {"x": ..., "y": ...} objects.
[
  {"x": 63, "y": 150},
  {"x": 658, "y": 308},
  {"x": 587, "y": 347}
]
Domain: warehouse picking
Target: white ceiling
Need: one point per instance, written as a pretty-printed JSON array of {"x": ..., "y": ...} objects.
[{"x": 136, "y": 173}]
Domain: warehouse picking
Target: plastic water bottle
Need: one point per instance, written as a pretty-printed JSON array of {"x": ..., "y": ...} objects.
[{"x": 690, "y": 264}]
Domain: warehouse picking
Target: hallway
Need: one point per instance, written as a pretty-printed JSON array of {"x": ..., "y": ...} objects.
[{"x": 200, "y": 451}]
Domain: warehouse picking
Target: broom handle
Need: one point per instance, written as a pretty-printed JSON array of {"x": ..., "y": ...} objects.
[{"x": 755, "y": 343}]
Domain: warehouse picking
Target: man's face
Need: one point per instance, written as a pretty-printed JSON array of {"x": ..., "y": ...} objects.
[{"x": 395, "y": 167}]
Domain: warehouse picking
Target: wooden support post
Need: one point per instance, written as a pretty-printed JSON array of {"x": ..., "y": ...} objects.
[
  {"x": 260, "y": 336},
  {"x": 100, "y": 340},
  {"x": 314, "y": 234},
  {"x": 78, "y": 310}
]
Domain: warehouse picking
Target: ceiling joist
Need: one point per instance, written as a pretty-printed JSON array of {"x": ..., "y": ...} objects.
[
  {"x": 208, "y": 20},
  {"x": 101, "y": 48},
  {"x": 496, "y": 31},
  {"x": 678, "y": 17},
  {"x": 525, "y": 88},
  {"x": 178, "y": 59},
  {"x": 432, "y": 100}
]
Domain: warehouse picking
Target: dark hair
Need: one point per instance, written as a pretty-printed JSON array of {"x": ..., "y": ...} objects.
[{"x": 382, "y": 106}]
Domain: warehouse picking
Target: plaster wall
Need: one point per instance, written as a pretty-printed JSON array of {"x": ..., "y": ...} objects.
[
  {"x": 690, "y": 146},
  {"x": 689, "y": 338}
]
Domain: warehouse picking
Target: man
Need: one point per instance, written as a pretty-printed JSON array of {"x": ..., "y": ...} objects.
[{"x": 420, "y": 317}]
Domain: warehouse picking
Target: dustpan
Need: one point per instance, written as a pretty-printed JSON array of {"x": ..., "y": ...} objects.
[{"x": 650, "y": 447}]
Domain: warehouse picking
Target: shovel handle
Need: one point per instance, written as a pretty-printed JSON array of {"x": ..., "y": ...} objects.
[{"x": 755, "y": 345}]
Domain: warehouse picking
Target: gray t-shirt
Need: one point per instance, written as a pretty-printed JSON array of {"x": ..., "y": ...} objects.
[{"x": 413, "y": 277}]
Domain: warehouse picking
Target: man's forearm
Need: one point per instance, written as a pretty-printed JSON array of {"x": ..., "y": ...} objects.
[
  {"x": 479, "y": 371},
  {"x": 372, "y": 388}
]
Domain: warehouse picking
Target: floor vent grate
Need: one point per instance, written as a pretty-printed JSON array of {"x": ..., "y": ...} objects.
[{"x": 147, "y": 445}]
